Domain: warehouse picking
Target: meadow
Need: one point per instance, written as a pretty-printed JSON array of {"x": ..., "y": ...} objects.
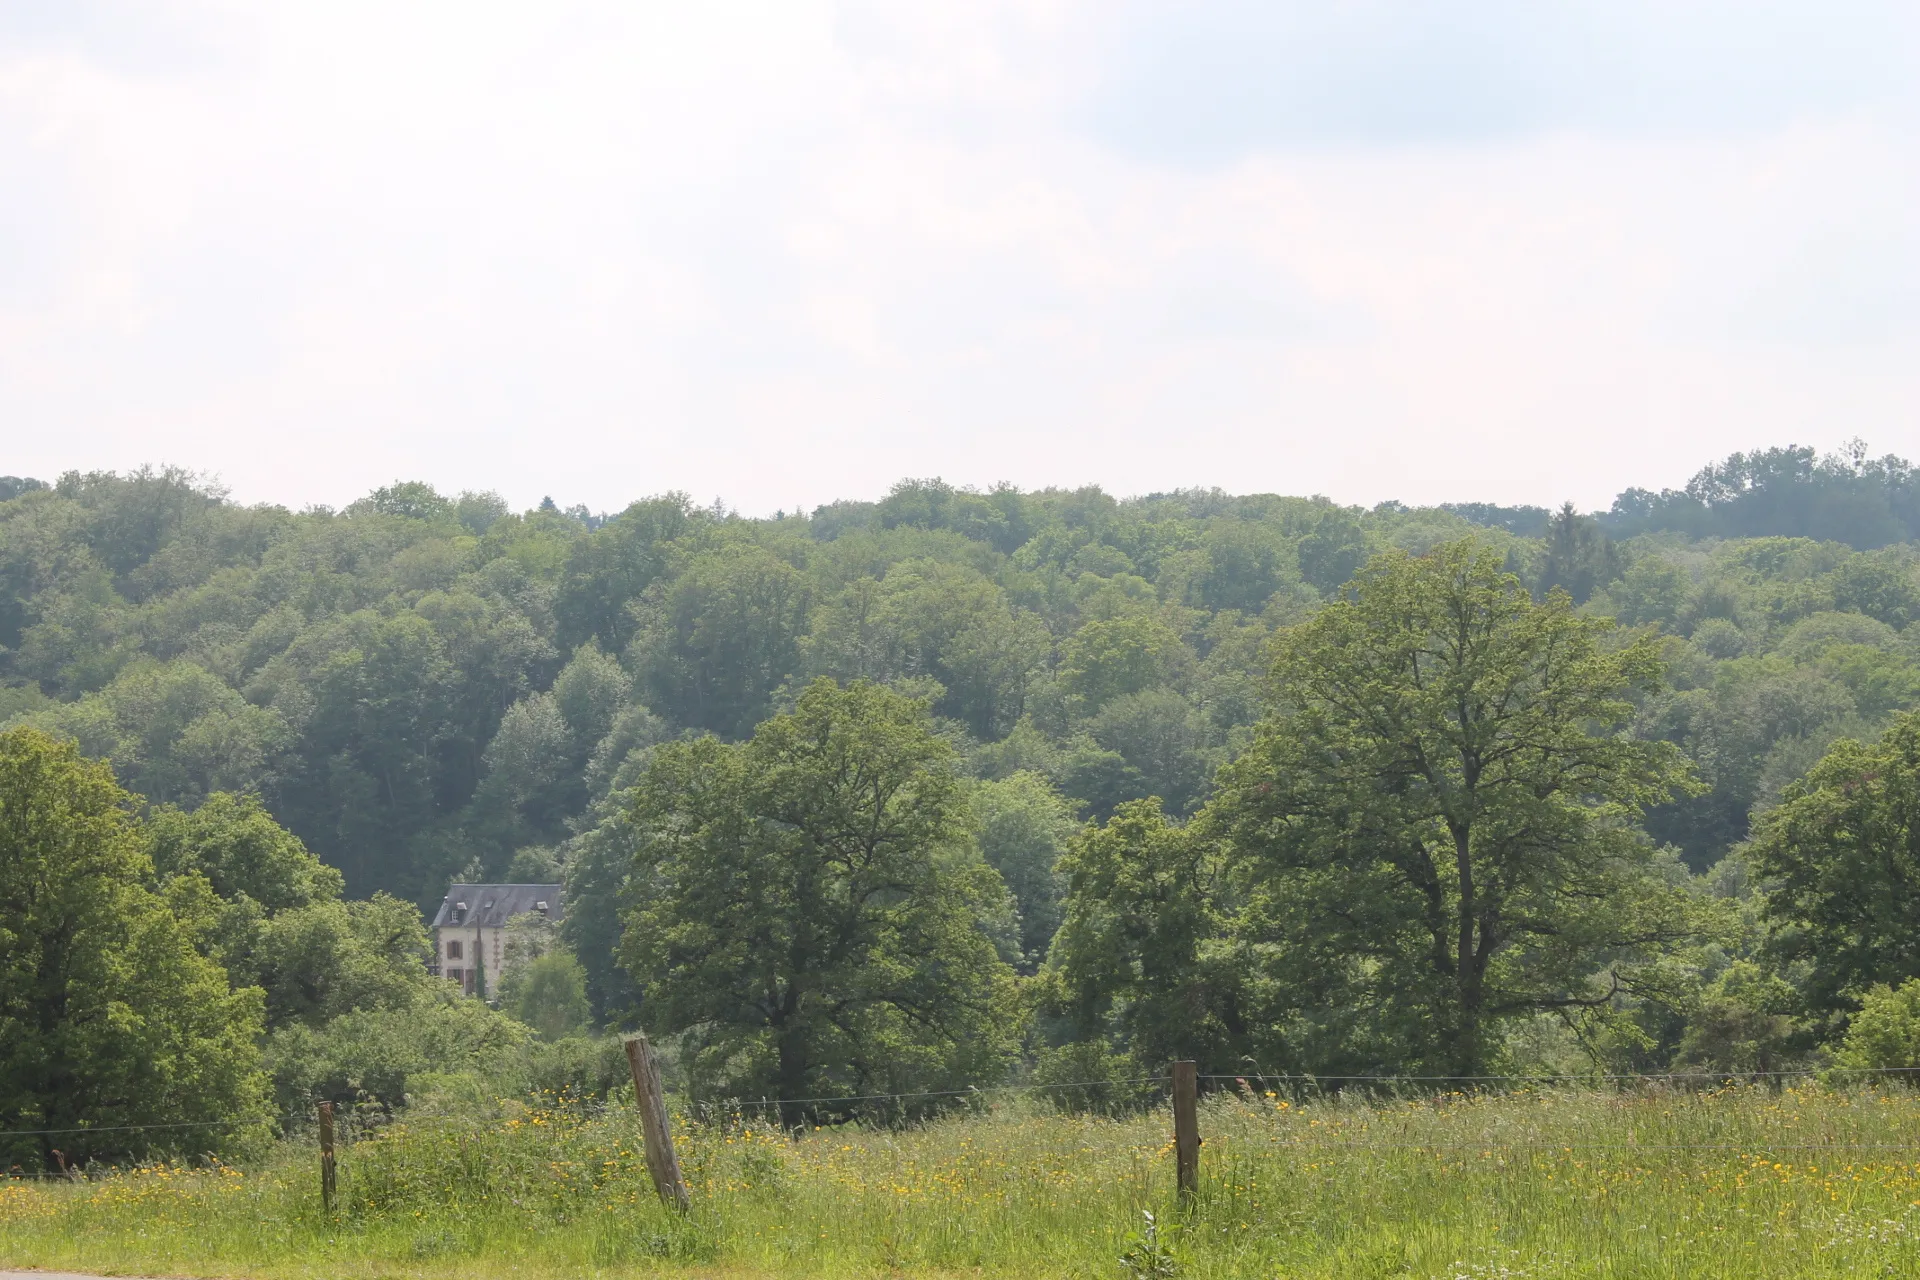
[{"x": 1746, "y": 1181}]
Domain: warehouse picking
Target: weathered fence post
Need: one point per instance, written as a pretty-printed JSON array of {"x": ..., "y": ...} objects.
[
  {"x": 326, "y": 1156},
  {"x": 662, "y": 1164},
  {"x": 1186, "y": 1127}
]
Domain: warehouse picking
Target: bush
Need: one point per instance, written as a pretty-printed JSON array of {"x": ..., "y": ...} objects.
[
  {"x": 377, "y": 1055},
  {"x": 1741, "y": 1024},
  {"x": 548, "y": 994},
  {"x": 577, "y": 1068},
  {"x": 1088, "y": 1076},
  {"x": 1885, "y": 1034}
]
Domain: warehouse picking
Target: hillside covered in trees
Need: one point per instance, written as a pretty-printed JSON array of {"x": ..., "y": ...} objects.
[{"x": 425, "y": 688}]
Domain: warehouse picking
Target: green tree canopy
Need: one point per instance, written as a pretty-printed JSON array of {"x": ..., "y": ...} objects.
[
  {"x": 1109, "y": 658},
  {"x": 810, "y": 907},
  {"x": 109, "y": 1016},
  {"x": 1144, "y": 954},
  {"x": 1841, "y": 861},
  {"x": 1025, "y": 825},
  {"x": 420, "y": 684},
  {"x": 271, "y": 914},
  {"x": 235, "y": 843},
  {"x": 1441, "y": 807},
  {"x": 713, "y": 644}
]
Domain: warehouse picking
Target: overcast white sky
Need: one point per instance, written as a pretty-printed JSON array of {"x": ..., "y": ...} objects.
[{"x": 783, "y": 253}]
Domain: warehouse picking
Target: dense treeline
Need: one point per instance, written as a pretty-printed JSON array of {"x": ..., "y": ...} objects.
[
  {"x": 422, "y": 688},
  {"x": 1791, "y": 492}
]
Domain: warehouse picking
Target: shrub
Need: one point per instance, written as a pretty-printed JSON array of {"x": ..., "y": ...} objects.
[
  {"x": 1885, "y": 1034},
  {"x": 376, "y": 1055},
  {"x": 548, "y": 994}
]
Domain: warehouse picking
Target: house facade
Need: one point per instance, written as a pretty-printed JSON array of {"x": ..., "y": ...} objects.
[{"x": 470, "y": 928}]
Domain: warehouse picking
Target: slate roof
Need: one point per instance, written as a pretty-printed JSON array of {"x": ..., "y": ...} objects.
[{"x": 490, "y": 906}]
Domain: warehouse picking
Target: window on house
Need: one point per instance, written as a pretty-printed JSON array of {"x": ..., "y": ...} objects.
[
  {"x": 453, "y": 950},
  {"x": 458, "y": 975}
]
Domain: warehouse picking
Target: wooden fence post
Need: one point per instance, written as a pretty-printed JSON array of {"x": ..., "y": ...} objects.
[
  {"x": 662, "y": 1164},
  {"x": 1186, "y": 1127},
  {"x": 326, "y": 1156}
]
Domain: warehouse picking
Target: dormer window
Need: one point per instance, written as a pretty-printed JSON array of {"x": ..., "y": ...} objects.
[
  {"x": 459, "y": 912},
  {"x": 541, "y": 907}
]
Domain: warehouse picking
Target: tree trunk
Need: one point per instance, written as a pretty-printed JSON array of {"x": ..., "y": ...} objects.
[
  {"x": 791, "y": 1071},
  {"x": 1466, "y": 1053}
]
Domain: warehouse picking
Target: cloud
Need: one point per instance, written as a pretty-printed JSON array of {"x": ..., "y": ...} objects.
[
  {"x": 1212, "y": 80},
  {"x": 783, "y": 253}
]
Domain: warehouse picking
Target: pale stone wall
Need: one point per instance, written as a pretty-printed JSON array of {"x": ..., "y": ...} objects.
[{"x": 492, "y": 945}]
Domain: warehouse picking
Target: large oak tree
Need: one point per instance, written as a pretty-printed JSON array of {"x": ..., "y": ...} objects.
[
  {"x": 1437, "y": 822},
  {"x": 812, "y": 911}
]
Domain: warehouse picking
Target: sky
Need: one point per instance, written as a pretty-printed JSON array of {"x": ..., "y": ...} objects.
[{"x": 778, "y": 254}]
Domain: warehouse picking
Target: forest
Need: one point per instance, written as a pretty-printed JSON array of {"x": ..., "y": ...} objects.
[{"x": 1048, "y": 785}]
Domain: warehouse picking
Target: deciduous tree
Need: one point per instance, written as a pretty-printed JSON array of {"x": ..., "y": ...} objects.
[
  {"x": 1841, "y": 861},
  {"x": 1443, "y": 805},
  {"x": 810, "y": 908},
  {"x": 110, "y": 1019}
]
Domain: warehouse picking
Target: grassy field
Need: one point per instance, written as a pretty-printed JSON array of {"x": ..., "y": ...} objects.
[{"x": 1741, "y": 1182}]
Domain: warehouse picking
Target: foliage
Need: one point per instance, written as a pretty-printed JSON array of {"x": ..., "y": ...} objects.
[
  {"x": 1579, "y": 557},
  {"x": 1435, "y": 825},
  {"x": 1847, "y": 497},
  {"x": 543, "y": 985},
  {"x": 379, "y": 1055},
  {"x": 1885, "y": 1034},
  {"x": 234, "y": 842},
  {"x": 549, "y": 994},
  {"x": 714, "y": 643},
  {"x": 420, "y": 686},
  {"x": 355, "y": 668},
  {"x": 320, "y": 961},
  {"x": 1148, "y": 1255},
  {"x": 1024, "y": 827},
  {"x": 271, "y": 914},
  {"x": 598, "y": 875},
  {"x": 110, "y": 1019},
  {"x": 1138, "y": 955},
  {"x": 809, "y": 908},
  {"x": 1743, "y": 1023},
  {"x": 1109, "y": 658},
  {"x": 174, "y": 731},
  {"x": 1841, "y": 855}
]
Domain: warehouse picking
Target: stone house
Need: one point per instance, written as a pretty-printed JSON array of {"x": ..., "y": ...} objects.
[{"x": 470, "y": 928}]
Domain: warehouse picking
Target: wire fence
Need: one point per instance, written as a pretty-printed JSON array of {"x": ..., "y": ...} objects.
[
  {"x": 1253, "y": 1078},
  {"x": 127, "y": 1128},
  {"x": 1648, "y": 1077},
  {"x": 1140, "y": 1089},
  {"x": 972, "y": 1091}
]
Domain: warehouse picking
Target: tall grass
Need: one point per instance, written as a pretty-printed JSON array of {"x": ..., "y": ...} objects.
[{"x": 1742, "y": 1182}]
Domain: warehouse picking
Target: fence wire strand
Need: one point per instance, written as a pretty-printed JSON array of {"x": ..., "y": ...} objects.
[
  {"x": 1656, "y": 1077},
  {"x": 125, "y": 1128},
  {"x": 975, "y": 1091},
  {"x": 1247, "y": 1079}
]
